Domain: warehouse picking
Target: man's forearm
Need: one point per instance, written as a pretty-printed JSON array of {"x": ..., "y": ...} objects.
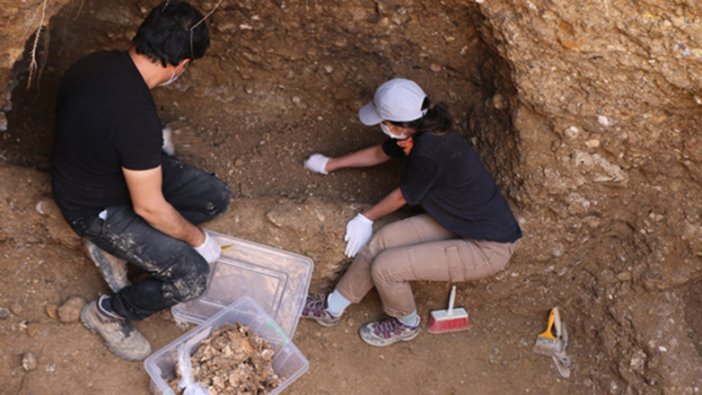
[
  {"x": 150, "y": 204},
  {"x": 169, "y": 221}
]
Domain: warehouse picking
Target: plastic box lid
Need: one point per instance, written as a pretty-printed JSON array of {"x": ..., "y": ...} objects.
[
  {"x": 288, "y": 361},
  {"x": 275, "y": 279}
]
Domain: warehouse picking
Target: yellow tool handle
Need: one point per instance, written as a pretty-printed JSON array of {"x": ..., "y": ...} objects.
[
  {"x": 548, "y": 333},
  {"x": 224, "y": 248}
]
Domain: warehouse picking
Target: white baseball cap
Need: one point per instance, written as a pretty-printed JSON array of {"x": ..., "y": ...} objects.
[{"x": 398, "y": 100}]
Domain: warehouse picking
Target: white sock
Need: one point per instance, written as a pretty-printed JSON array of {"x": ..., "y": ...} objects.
[
  {"x": 412, "y": 319},
  {"x": 336, "y": 303}
]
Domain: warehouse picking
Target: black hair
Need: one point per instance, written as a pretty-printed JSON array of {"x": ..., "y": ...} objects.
[
  {"x": 167, "y": 35},
  {"x": 436, "y": 120}
]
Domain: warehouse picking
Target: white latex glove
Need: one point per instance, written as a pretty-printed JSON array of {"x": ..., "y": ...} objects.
[
  {"x": 168, "y": 147},
  {"x": 187, "y": 379},
  {"x": 210, "y": 249},
  {"x": 358, "y": 231},
  {"x": 317, "y": 163}
]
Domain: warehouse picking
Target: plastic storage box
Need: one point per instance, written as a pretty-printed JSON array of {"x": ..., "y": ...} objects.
[
  {"x": 275, "y": 279},
  {"x": 288, "y": 361}
]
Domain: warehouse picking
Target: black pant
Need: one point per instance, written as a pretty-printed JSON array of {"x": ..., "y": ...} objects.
[{"x": 177, "y": 273}]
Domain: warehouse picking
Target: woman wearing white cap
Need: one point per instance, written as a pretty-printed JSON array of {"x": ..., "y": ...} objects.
[{"x": 467, "y": 231}]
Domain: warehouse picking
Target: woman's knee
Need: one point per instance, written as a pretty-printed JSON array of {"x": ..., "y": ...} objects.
[
  {"x": 406, "y": 232},
  {"x": 380, "y": 240},
  {"x": 384, "y": 268}
]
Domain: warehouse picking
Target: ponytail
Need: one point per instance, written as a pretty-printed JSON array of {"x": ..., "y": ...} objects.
[{"x": 436, "y": 120}]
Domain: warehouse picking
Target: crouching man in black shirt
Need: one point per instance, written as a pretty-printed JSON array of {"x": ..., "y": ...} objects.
[{"x": 118, "y": 190}]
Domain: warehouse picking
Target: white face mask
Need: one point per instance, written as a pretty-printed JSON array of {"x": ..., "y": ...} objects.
[
  {"x": 387, "y": 131},
  {"x": 171, "y": 80}
]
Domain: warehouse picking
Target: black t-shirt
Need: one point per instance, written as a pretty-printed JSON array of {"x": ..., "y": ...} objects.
[
  {"x": 106, "y": 119},
  {"x": 446, "y": 177}
]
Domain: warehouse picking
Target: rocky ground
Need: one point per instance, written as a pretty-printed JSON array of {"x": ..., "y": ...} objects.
[{"x": 608, "y": 196}]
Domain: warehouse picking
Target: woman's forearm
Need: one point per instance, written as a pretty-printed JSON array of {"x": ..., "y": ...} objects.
[
  {"x": 390, "y": 203},
  {"x": 367, "y": 157}
]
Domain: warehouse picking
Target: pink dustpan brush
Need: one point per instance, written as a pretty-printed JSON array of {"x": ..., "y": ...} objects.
[{"x": 449, "y": 320}]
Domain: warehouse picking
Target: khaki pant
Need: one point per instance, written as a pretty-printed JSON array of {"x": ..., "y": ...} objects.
[{"x": 418, "y": 248}]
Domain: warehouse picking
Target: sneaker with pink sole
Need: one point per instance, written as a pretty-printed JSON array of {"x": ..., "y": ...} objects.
[
  {"x": 386, "y": 332},
  {"x": 315, "y": 309}
]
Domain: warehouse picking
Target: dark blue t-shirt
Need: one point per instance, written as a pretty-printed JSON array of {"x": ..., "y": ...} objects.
[
  {"x": 445, "y": 176},
  {"x": 106, "y": 119}
]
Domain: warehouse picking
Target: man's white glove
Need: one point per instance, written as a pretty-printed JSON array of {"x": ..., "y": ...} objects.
[
  {"x": 358, "y": 231},
  {"x": 317, "y": 163},
  {"x": 168, "y": 147},
  {"x": 210, "y": 249}
]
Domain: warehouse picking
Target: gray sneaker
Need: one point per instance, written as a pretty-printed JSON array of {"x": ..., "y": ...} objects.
[
  {"x": 120, "y": 337},
  {"x": 315, "y": 308},
  {"x": 113, "y": 269},
  {"x": 386, "y": 332}
]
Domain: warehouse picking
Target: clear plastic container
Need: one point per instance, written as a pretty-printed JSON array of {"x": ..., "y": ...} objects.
[
  {"x": 288, "y": 361},
  {"x": 277, "y": 280}
]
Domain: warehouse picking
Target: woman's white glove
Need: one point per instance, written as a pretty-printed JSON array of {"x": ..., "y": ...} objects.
[
  {"x": 210, "y": 249},
  {"x": 317, "y": 163},
  {"x": 358, "y": 231}
]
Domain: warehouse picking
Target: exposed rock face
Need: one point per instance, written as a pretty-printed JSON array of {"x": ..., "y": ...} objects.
[{"x": 607, "y": 109}]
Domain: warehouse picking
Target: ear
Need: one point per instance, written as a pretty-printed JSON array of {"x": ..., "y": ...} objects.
[{"x": 184, "y": 62}]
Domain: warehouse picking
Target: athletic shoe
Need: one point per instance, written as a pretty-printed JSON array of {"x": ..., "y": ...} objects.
[
  {"x": 386, "y": 332},
  {"x": 113, "y": 269},
  {"x": 315, "y": 308},
  {"x": 120, "y": 337}
]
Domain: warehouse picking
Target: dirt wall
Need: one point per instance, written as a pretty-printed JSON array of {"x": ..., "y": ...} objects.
[
  {"x": 587, "y": 113},
  {"x": 608, "y": 112}
]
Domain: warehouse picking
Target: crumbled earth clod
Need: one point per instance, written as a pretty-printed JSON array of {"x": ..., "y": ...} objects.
[
  {"x": 16, "y": 309},
  {"x": 234, "y": 360},
  {"x": 70, "y": 310},
  {"x": 52, "y": 311},
  {"x": 33, "y": 329},
  {"x": 29, "y": 362}
]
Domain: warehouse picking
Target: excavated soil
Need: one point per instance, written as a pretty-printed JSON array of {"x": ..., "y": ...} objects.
[
  {"x": 233, "y": 360},
  {"x": 284, "y": 79}
]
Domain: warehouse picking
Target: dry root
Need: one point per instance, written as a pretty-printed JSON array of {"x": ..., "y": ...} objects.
[{"x": 33, "y": 66}]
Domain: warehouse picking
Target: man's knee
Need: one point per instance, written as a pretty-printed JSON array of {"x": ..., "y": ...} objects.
[
  {"x": 186, "y": 279},
  {"x": 220, "y": 197}
]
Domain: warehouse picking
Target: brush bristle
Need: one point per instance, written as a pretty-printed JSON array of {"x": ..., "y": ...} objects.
[
  {"x": 455, "y": 324},
  {"x": 545, "y": 346}
]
